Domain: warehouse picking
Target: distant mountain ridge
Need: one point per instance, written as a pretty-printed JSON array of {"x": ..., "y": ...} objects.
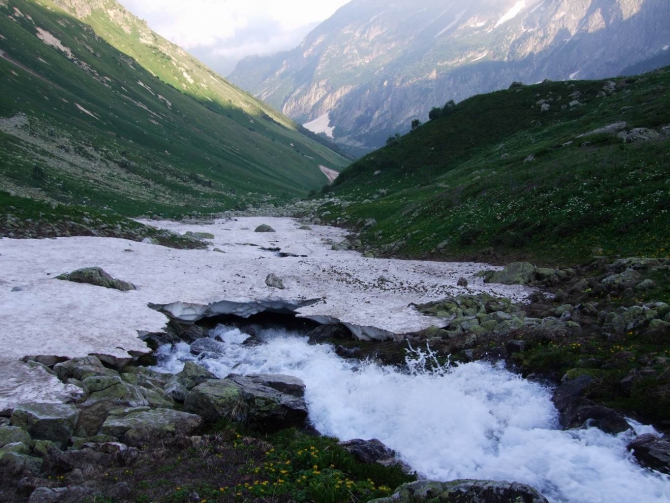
[{"x": 374, "y": 65}]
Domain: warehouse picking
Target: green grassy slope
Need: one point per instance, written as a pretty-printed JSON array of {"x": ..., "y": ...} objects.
[
  {"x": 465, "y": 182},
  {"x": 82, "y": 123}
]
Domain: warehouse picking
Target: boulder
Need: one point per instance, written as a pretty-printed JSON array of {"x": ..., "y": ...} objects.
[
  {"x": 208, "y": 347},
  {"x": 72, "y": 494},
  {"x": 78, "y": 459},
  {"x": 183, "y": 382},
  {"x": 274, "y": 281},
  {"x": 464, "y": 491},
  {"x": 13, "y": 464},
  {"x": 269, "y": 402},
  {"x": 283, "y": 383},
  {"x": 147, "y": 378},
  {"x": 325, "y": 332},
  {"x": 47, "y": 421},
  {"x": 369, "y": 451},
  {"x": 107, "y": 393},
  {"x": 638, "y": 135},
  {"x": 626, "y": 279},
  {"x": 12, "y": 434},
  {"x": 184, "y": 332},
  {"x": 81, "y": 368},
  {"x": 517, "y": 273},
  {"x": 652, "y": 452},
  {"x": 97, "y": 277},
  {"x": 612, "y": 129},
  {"x": 17, "y": 447},
  {"x": 264, "y": 228},
  {"x": 137, "y": 427},
  {"x": 575, "y": 410}
]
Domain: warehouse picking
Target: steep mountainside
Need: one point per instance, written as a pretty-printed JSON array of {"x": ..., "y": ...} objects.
[
  {"x": 137, "y": 125},
  {"x": 374, "y": 66},
  {"x": 549, "y": 172}
]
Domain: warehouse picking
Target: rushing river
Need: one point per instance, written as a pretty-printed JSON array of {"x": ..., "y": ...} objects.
[{"x": 467, "y": 421}]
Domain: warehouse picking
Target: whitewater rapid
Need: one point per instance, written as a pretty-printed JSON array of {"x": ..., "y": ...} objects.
[{"x": 475, "y": 420}]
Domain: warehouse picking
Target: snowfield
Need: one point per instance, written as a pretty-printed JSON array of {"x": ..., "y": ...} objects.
[{"x": 40, "y": 315}]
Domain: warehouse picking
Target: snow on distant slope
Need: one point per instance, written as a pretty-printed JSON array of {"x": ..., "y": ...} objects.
[
  {"x": 321, "y": 125},
  {"x": 512, "y": 13}
]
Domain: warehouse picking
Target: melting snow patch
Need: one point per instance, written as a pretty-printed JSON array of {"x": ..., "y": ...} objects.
[
  {"x": 187, "y": 77},
  {"x": 453, "y": 23},
  {"x": 512, "y": 13},
  {"x": 573, "y": 75},
  {"x": 52, "y": 41},
  {"x": 86, "y": 111},
  {"x": 146, "y": 87},
  {"x": 665, "y": 48},
  {"x": 321, "y": 125},
  {"x": 55, "y": 317}
]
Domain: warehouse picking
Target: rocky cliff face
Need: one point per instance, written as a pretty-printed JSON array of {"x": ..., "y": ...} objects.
[{"x": 374, "y": 66}]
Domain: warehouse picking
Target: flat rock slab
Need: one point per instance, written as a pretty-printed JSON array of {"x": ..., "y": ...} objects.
[{"x": 46, "y": 316}]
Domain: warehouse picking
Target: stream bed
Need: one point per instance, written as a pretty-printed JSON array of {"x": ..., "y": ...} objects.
[{"x": 474, "y": 420}]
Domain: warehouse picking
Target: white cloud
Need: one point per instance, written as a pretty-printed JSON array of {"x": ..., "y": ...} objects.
[
  {"x": 221, "y": 32},
  {"x": 208, "y": 22}
]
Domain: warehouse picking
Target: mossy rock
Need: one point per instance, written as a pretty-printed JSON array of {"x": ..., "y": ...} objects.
[
  {"x": 47, "y": 421},
  {"x": 517, "y": 273},
  {"x": 139, "y": 426},
  {"x": 264, "y": 228},
  {"x": 97, "y": 277},
  {"x": 81, "y": 368},
  {"x": 12, "y": 434}
]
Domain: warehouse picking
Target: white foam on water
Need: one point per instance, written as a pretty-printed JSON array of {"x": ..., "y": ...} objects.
[{"x": 469, "y": 421}]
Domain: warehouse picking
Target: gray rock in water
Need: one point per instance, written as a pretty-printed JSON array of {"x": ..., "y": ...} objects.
[
  {"x": 283, "y": 383},
  {"x": 464, "y": 491},
  {"x": 462, "y": 282},
  {"x": 253, "y": 400},
  {"x": 264, "y": 228},
  {"x": 47, "y": 421},
  {"x": 652, "y": 452},
  {"x": 142, "y": 426},
  {"x": 576, "y": 411},
  {"x": 274, "y": 281},
  {"x": 324, "y": 332},
  {"x": 517, "y": 273},
  {"x": 97, "y": 277},
  {"x": 369, "y": 451},
  {"x": 207, "y": 346}
]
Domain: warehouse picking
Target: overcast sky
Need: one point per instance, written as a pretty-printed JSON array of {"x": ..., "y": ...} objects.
[{"x": 221, "y": 32}]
